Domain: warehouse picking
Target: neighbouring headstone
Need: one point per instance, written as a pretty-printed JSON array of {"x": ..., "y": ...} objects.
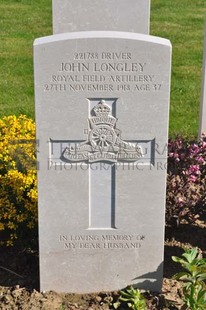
[
  {"x": 92, "y": 15},
  {"x": 202, "y": 117},
  {"x": 102, "y": 101}
]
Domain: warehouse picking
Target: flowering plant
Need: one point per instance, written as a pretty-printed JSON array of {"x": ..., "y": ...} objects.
[
  {"x": 18, "y": 189},
  {"x": 186, "y": 182}
]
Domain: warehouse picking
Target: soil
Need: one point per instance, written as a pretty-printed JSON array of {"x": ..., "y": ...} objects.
[{"x": 19, "y": 278}]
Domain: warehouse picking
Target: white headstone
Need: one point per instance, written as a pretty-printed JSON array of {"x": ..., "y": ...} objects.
[
  {"x": 90, "y": 15},
  {"x": 102, "y": 102},
  {"x": 202, "y": 118}
]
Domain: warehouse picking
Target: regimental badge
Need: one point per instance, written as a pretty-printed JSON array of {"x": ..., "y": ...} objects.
[{"x": 104, "y": 141}]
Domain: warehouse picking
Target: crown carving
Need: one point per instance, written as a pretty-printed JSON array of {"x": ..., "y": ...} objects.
[{"x": 101, "y": 109}]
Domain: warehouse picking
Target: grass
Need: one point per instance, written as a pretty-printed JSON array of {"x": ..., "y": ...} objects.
[
  {"x": 21, "y": 21},
  {"x": 182, "y": 22}
]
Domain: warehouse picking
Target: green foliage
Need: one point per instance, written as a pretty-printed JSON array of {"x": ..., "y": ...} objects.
[
  {"x": 194, "y": 264},
  {"x": 134, "y": 299},
  {"x": 194, "y": 290},
  {"x": 195, "y": 297}
]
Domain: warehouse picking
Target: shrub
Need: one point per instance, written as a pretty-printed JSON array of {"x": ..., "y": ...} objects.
[
  {"x": 186, "y": 182},
  {"x": 18, "y": 189}
]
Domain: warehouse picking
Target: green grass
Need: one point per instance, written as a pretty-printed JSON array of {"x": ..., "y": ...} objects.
[
  {"x": 21, "y": 21},
  {"x": 182, "y": 22}
]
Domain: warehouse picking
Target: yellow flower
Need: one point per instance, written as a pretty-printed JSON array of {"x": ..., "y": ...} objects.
[{"x": 18, "y": 189}]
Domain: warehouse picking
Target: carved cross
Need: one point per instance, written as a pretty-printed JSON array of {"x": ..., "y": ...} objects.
[{"x": 104, "y": 147}]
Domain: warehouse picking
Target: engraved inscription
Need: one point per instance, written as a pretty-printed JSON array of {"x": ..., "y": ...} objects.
[
  {"x": 100, "y": 72},
  {"x": 103, "y": 55},
  {"x": 114, "y": 242},
  {"x": 101, "y": 67}
]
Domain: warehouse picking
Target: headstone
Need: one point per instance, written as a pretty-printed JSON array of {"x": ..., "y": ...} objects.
[
  {"x": 90, "y": 15},
  {"x": 102, "y": 101},
  {"x": 202, "y": 118}
]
